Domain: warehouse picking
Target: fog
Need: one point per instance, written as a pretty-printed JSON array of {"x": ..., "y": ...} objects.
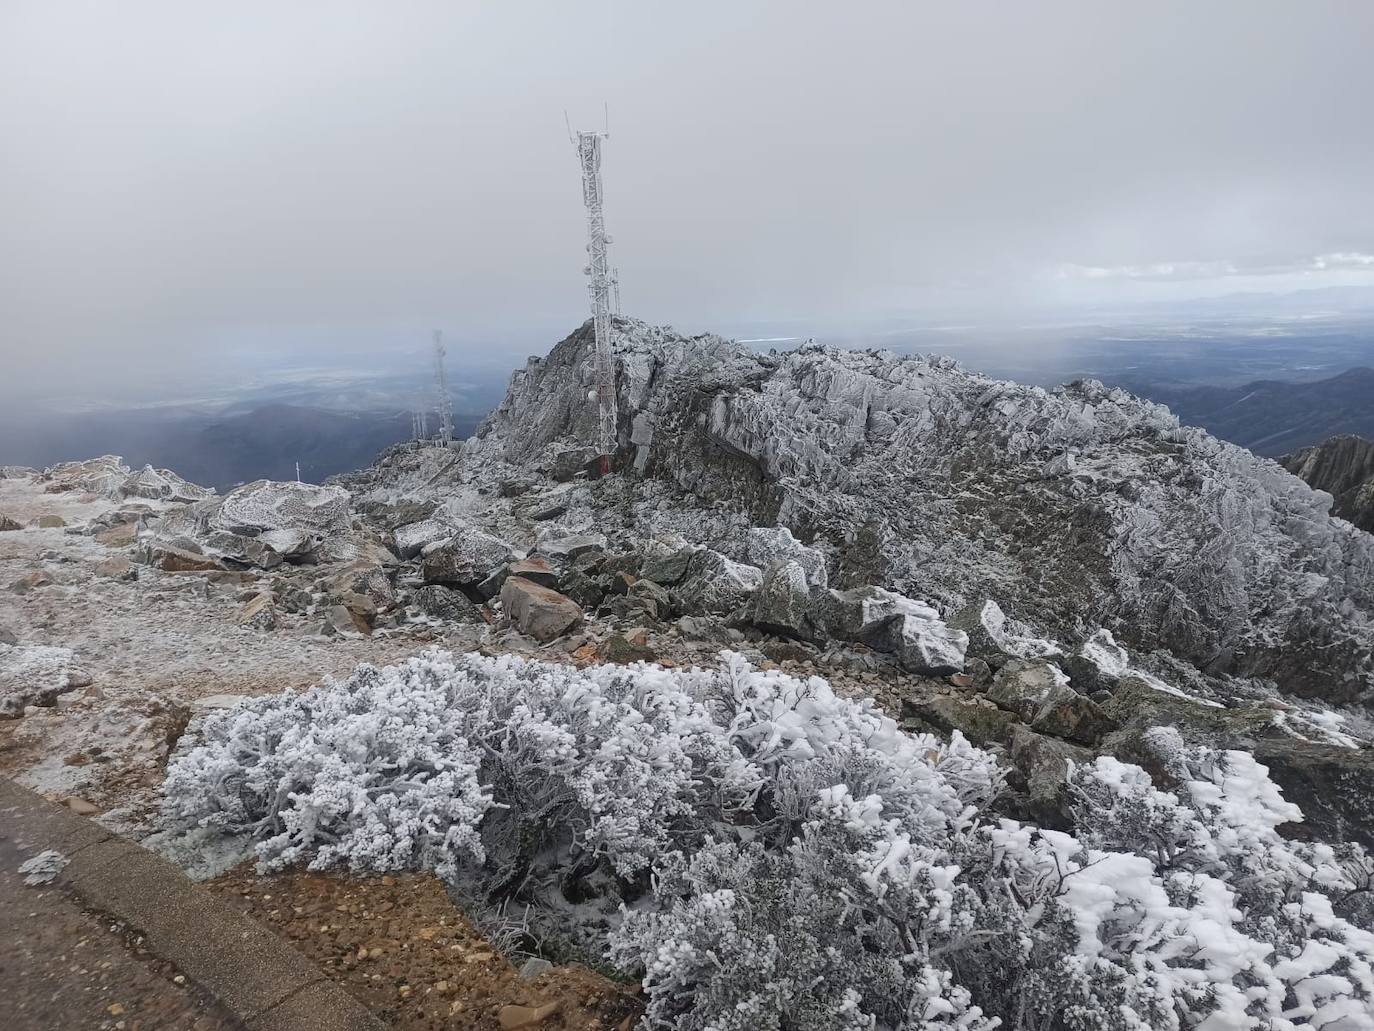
[{"x": 195, "y": 192}]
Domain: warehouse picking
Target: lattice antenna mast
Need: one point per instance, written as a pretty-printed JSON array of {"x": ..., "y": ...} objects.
[
  {"x": 601, "y": 286},
  {"x": 441, "y": 383}
]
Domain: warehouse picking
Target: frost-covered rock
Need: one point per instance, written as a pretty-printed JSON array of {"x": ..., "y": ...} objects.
[
  {"x": 35, "y": 674},
  {"x": 714, "y": 584},
  {"x": 994, "y": 639},
  {"x": 443, "y": 603},
  {"x": 920, "y": 640},
  {"x": 465, "y": 559},
  {"x": 162, "y": 485},
  {"x": 415, "y": 537},
  {"x": 765, "y": 546},
  {"x": 1173, "y": 539},
  {"x": 782, "y": 603},
  {"x": 266, "y": 507}
]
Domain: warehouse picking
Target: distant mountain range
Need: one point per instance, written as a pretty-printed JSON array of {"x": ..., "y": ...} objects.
[
  {"x": 220, "y": 449},
  {"x": 1274, "y": 418}
]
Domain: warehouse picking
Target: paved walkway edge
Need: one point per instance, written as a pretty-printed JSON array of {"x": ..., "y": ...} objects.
[{"x": 262, "y": 981}]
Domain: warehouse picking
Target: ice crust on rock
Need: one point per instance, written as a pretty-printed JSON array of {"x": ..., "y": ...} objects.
[{"x": 1171, "y": 538}]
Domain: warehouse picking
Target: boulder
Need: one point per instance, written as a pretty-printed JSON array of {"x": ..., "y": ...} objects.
[
  {"x": 991, "y": 638},
  {"x": 782, "y": 604},
  {"x": 119, "y": 536},
  {"x": 847, "y": 614},
  {"x": 398, "y": 514},
  {"x": 355, "y": 546},
  {"x": 765, "y": 546},
  {"x": 715, "y": 584},
  {"x": 588, "y": 591},
  {"x": 982, "y": 723},
  {"x": 920, "y": 641},
  {"x": 1333, "y": 786},
  {"x": 174, "y": 559},
  {"x": 1098, "y": 664},
  {"x": 1026, "y": 686},
  {"x": 1041, "y": 768},
  {"x": 339, "y": 619},
  {"x": 51, "y": 522},
  {"x": 444, "y": 603},
  {"x": 657, "y": 593},
  {"x": 35, "y": 675},
  {"x": 567, "y": 548},
  {"x": 116, "y": 567},
  {"x": 664, "y": 564},
  {"x": 412, "y": 539},
  {"x": 258, "y": 614},
  {"x": 266, "y": 506},
  {"x": 162, "y": 485},
  {"x": 540, "y": 612},
  {"x": 535, "y": 568},
  {"x": 367, "y": 586},
  {"x": 6, "y": 523},
  {"x": 466, "y": 559},
  {"x": 1077, "y": 718}
]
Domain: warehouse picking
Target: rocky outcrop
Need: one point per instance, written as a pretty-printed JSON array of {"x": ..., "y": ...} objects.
[
  {"x": 1344, "y": 468},
  {"x": 264, "y": 524},
  {"x": 1081, "y": 507}
]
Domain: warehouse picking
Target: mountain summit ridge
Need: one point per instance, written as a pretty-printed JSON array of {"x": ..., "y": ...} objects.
[{"x": 1077, "y": 508}]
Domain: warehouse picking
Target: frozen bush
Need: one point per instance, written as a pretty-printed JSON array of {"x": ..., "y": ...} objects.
[{"x": 767, "y": 855}]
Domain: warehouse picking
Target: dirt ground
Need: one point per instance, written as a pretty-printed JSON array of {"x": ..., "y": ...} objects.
[{"x": 401, "y": 947}]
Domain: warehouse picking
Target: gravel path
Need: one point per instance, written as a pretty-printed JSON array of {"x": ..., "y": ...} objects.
[{"x": 64, "y": 967}]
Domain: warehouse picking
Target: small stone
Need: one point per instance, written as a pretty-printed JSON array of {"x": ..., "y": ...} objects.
[
  {"x": 81, "y": 807},
  {"x": 533, "y": 967},
  {"x": 52, "y": 522}
]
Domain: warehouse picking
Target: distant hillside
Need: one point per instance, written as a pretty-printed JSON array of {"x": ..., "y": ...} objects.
[
  {"x": 1344, "y": 468},
  {"x": 219, "y": 449},
  {"x": 1273, "y": 418}
]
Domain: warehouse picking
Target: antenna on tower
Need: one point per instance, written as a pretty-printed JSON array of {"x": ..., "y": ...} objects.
[
  {"x": 601, "y": 284},
  {"x": 441, "y": 382}
]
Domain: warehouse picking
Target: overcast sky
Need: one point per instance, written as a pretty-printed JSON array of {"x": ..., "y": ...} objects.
[{"x": 195, "y": 184}]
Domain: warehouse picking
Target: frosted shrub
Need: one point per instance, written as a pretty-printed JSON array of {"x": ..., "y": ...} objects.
[{"x": 766, "y": 855}]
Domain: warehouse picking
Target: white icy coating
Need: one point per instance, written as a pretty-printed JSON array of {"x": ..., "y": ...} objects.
[
  {"x": 266, "y": 506},
  {"x": 32, "y": 674},
  {"x": 44, "y": 867},
  {"x": 813, "y": 866},
  {"x": 109, "y": 477},
  {"x": 1169, "y": 537}
]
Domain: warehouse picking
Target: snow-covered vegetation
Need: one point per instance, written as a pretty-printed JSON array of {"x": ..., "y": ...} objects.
[{"x": 765, "y": 854}]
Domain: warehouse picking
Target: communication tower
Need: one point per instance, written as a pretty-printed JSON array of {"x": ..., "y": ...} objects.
[{"x": 604, "y": 290}]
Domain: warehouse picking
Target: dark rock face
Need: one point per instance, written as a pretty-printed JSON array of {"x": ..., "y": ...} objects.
[{"x": 1344, "y": 468}]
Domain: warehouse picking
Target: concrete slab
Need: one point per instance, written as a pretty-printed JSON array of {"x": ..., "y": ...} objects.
[{"x": 316, "y": 1007}]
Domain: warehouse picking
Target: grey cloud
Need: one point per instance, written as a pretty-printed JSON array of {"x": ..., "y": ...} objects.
[{"x": 186, "y": 184}]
